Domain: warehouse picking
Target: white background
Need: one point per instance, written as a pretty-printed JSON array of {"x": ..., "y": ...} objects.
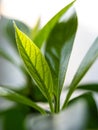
[{"x": 30, "y": 10}]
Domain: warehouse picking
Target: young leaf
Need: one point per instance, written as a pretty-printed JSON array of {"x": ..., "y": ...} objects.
[
  {"x": 45, "y": 31},
  {"x": 35, "y": 64},
  {"x": 58, "y": 49},
  {"x": 11, "y": 95},
  {"x": 86, "y": 63}
]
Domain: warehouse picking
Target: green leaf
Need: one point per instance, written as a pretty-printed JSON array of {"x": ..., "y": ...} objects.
[
  {"x": 58, "y": 49},
  {"x": 35, "y": 64},
  {"x": 14, "y": 118},
  {"x": 90, "y": 87},
  {"x": 86, "y": 63},
  {"x": 11, "y": 95},
  {"x": 45, "y": 31}
]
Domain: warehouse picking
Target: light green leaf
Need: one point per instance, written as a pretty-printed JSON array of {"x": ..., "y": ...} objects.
[
  {"x": 45, "y": 31},
  {"x": 11, "y": 95},
  {"x": 35, "y": 64},
  {"x": 86, "y": 63}
]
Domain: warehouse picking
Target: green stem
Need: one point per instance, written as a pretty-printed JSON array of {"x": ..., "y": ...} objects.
[
  {"x": 67, "y": 99},
  {"x": 51, "y": 107},
  {"x": 57, "y": 104}
]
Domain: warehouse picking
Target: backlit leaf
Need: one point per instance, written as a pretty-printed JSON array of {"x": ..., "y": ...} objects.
[{"x": 35, "y": 64}]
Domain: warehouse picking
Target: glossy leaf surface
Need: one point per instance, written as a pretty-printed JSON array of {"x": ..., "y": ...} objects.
[{"x": 58, "y": 48}]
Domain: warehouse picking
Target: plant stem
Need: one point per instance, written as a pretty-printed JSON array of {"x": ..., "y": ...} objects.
[
  {"x": 57, "y": 104},
  {"x": 67, "y": 99},
  {"x": 51, "y": 107}
]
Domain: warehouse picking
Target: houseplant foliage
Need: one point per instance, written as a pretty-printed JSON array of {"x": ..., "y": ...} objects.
[{"x": 45, "y": 71}]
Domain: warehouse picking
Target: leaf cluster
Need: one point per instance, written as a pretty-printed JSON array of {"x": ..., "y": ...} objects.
[{"x": 46, "y": 54}]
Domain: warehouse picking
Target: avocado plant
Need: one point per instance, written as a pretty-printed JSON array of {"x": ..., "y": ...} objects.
[{"x": 46, "y": 53}]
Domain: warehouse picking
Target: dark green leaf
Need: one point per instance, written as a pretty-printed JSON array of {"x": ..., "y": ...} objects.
[
  {"x": 86, "y": 63},
  {"x": 58, "y": 49},
  {"x": 14, "y": 118},
  {"x": 45, "y": 31},
  {"x": 11, "y": 95},
  {"x": 90, "y": 87},
  {"x": 35, "y": 63}
]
